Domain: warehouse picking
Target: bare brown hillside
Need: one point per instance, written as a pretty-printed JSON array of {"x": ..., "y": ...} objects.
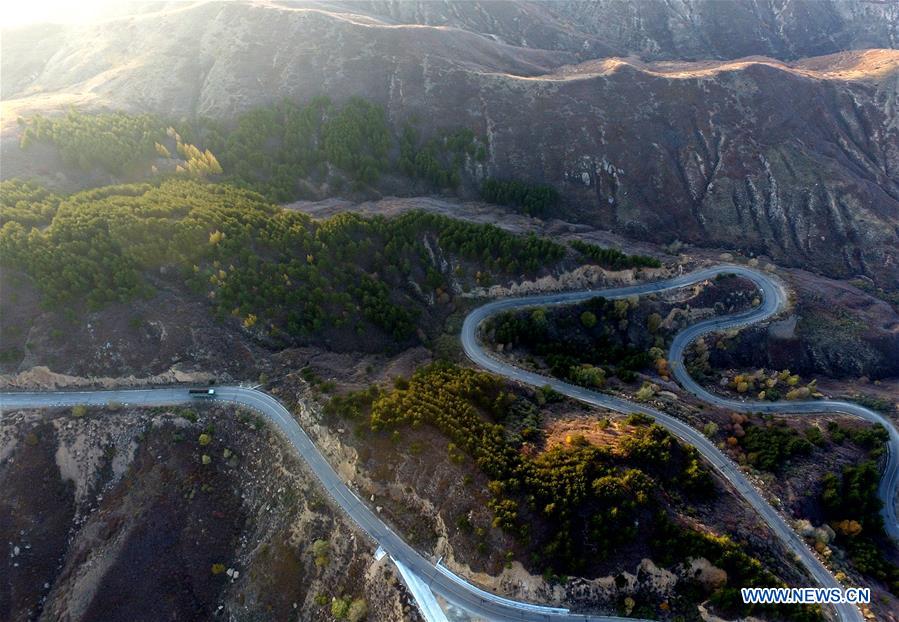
[{"x": 125, "y": 515}]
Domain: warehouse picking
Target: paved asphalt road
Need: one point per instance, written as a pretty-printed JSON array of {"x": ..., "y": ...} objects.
[{"x": 452, "y": 588}]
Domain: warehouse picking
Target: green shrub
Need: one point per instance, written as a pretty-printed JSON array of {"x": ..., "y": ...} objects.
[
  {"x": 340, "y": 607},
  {"x": 114, "y": 142},
  {"x": 321, "y": 549},
  {"x": 768, "y": 447},
  {"x": 588, "y": 319}
]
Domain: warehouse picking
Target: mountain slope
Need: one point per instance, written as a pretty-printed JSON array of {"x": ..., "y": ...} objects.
[
  {"x": 798, "y": 160},
  {"x": 681, "y": 29}
]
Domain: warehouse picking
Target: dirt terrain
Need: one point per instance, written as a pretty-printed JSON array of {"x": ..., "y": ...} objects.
[
  {"x": 833, "y": 330},
  {"x": 688, "y": 30},
  {"x": 116, "y": 516},
  {"x": 173, "y": 336}
]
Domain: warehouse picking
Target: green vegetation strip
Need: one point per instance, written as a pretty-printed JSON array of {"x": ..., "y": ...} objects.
[
  {"x": 274, "y": 150},
  {"x": 279, "y": 271}
]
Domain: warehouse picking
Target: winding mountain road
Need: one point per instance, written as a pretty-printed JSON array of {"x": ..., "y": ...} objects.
[
  {"x": 441, "y": 580},
  {"x": 773, "y": 299},
  {"x": 888, "y": 489}
]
